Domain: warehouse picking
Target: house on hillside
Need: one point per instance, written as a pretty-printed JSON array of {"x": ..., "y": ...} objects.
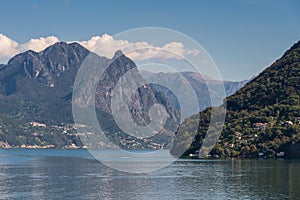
[
  {"x": 280, "y": 154},
  {"x": 37, "y": 124},
  {"x": 259, "y": 126},
  {"x": 238, "y": 135},
  {"x": 288, "y": 123}
]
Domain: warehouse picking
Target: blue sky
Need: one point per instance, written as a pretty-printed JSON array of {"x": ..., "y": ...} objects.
[{"x": 242, "y": 37}]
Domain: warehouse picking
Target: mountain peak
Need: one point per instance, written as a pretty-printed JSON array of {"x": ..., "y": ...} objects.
[
  {"x": 47, "y": 65},
  {"x": 64, "y": 47},
  {"x": 60, "y": 43},
  {"x": 118, "y": 54}
]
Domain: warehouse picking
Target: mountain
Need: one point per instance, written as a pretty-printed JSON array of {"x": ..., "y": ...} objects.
[
  {"x": 36, "y": 90},
  {"x": 262, "y": 119},
  {"x": 35, "y": 86},
  {"x": 180, "y": 83},
  {"x": 36, "y": 93}
]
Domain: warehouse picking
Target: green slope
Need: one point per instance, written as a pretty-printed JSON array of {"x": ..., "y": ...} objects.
[{"x": 262, "y": 117}]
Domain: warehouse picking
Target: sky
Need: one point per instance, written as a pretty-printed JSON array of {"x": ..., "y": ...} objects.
[{"x": 242, "y": 36}]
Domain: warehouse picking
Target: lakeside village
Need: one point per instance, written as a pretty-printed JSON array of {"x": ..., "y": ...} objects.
[
  {"x": 243, "y": 145},
  {"x": 240, "y": 145},
  {"x": 41, "y": 135}
]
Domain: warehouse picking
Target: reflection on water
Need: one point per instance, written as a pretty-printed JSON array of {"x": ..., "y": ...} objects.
[{"x": 59, "y": 174}]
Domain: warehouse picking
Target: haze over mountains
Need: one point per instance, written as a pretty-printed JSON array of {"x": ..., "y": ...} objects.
[
  {"x": 198, "y": 83},
  {"x": 37, "y": 87}
]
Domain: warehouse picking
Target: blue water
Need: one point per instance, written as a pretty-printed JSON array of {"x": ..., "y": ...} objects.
[{"x": 74, "y": 174}]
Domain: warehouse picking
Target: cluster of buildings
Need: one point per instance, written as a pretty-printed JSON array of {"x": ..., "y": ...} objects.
[{"x": 240, "y": 140}]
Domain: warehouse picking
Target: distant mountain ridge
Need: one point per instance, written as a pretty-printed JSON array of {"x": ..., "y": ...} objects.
[{"x": 198, "y": 83}]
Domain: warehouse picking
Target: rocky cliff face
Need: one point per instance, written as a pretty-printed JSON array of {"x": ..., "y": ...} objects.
[
  {"x": 38, "y": 86},
  {"x": 44, "y": 66},
  {"x": 134, "y": 100}
]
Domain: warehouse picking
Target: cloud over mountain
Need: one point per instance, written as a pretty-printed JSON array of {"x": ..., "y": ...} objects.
[
  {"x": 104, "y": 45},
  {"x": 9, "y": 47}
]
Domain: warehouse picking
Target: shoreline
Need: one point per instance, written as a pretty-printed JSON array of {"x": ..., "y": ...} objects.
[{"x": 183, "y": 158}]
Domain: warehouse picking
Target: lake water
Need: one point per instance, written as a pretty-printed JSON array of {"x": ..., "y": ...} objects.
[{"x": 74, "y": 174}]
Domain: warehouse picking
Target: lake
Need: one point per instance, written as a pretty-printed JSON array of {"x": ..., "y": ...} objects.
[{"x": 74, "y": 174}]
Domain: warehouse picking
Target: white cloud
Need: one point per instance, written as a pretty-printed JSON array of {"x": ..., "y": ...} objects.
[
  {"x": 39, "y": 44},
  {"x": 104, "y": 45},
  {"x": 9, "y": 47}
]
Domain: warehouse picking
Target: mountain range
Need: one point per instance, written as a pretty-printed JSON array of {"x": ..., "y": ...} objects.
[
  {"x": 180, "y": 83},
  {"x": 36, "y": 94}
]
